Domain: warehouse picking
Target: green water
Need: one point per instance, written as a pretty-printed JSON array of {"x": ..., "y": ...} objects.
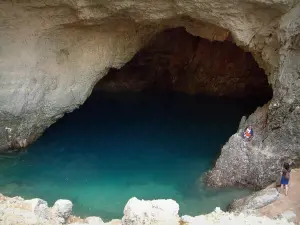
[{"x": 116, "y": 146}]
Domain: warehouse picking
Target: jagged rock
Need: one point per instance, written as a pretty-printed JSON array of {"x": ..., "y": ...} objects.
[
  {"x": 255, "y": 201},
  {"x": 39, "y": 207},
  {"x": 93, "y": 220},
  {"x": 151, "y": 212},
  {"x": 62, "y": 209},
  {"x": 256, "y": 163}
]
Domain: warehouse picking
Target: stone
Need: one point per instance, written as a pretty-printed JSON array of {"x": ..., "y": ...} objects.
[
  {"x": 151, "y": 212},
  {"x": 62, "y": 209},
  {"x": 93, "y": 220},
  {"x": 255, "y": 201},
  {"x": 187, "y": 219},
  {"x": 218, "y": 210},
  {"x": 288, "y": 215},
  {"x": 235, "y": 219},
  {"x": 78, "y": 223},
  {"x": 39, "y": 207},
  {"x": 114, "y": 222}
]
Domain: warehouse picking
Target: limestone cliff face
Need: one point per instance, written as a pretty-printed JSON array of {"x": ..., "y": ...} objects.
[
  {"x": 54, "y": 51},
  {"x": 177, "y": 60}
]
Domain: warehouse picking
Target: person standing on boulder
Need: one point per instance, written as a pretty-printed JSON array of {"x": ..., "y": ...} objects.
[{"x": 285, "y": 177}]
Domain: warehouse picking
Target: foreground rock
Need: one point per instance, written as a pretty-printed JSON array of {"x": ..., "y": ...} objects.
[
  {"x": 62, "y": 209},
  {"x": 269, "y": 202},
  {"x": 222, "y": 218},
  {"x": 151, "y": 212},
  {"x": 35, "y": 211},
  {"x": 255, "y": 201},
  {"x": 17, "y": 211}
]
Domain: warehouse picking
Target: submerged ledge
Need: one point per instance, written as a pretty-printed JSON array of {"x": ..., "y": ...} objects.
[{"x": 16, "y": 210}]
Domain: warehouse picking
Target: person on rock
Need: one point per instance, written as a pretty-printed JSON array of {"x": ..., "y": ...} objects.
[
  {"x": 248, "y": 133},
  {"x": 285, "y": 177}
]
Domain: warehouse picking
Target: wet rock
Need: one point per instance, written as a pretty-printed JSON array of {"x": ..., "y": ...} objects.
[
  {"x": 151, "y": 212},
  {"x": 255, "y": 201},
  {"x": 62, "y": 209}
]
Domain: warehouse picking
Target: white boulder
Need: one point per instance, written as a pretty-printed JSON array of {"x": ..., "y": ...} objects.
[
  {"x": 187, "y": 219},
  {"x": 158, "y": 212},
  {"x": 114, "y": 222},
  {"x": 62, "y": 209},
  {"x": 94, "y": 220}
]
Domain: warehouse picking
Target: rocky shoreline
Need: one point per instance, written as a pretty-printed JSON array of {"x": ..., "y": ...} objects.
[
  {"x": 17, "y": 211},
  {"x": 263, "y": 207}
]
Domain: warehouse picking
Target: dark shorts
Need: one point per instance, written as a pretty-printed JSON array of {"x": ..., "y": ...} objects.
[{"x": 284, "y": 181}]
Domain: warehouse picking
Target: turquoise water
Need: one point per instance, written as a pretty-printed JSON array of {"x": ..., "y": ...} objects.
[{"x": 116, "y": 146}]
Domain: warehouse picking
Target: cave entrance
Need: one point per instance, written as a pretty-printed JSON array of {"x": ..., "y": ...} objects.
[
  {"x": 175, "y": 60},
  {"x": 150, "y": 129}
]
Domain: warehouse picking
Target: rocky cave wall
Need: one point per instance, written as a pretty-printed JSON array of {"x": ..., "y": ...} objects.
[
  {"x": 175, "y": 60},
  {"x": 54, "y": 51}
]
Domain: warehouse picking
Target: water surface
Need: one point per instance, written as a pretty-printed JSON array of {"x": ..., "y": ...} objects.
[{"x": 116, "y": 146}]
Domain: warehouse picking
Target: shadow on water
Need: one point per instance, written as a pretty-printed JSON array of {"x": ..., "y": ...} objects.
[{"x": 116, "y": 146}]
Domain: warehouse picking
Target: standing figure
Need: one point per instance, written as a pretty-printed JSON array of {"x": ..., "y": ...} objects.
[{"x": 285, "y": 177}]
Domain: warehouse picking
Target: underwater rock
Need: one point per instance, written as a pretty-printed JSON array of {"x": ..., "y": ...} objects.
[{"x": 151, "y": 212}]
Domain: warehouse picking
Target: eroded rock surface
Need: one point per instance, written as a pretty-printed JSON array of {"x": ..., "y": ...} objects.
[
  {"x": 151, "y": 212},
  {"x": 175, "y": 60},
  {"x": 16, "y": 211},
  {"x": 53, "y": 53},
  {"x": 255, "y": 201}
]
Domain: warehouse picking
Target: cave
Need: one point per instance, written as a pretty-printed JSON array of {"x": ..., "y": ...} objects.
[
  {"x": 150, "y": 129},
  {"x": 175, "y": 60}
]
